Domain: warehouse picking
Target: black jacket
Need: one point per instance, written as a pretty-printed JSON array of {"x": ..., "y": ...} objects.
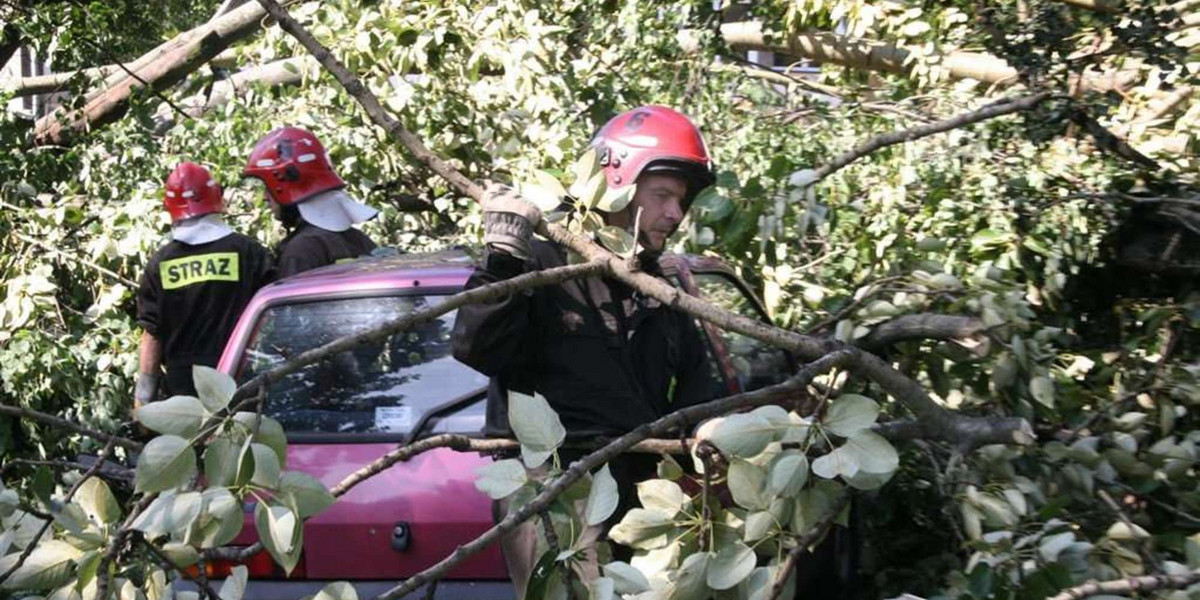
[
  {"x": 606, "y": 359},
  {"x": 190, "y": 298},
  {"x": 308, "y": 247}
]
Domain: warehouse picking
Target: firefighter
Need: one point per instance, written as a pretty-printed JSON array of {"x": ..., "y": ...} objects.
[
  {"x": 308, "y": 197},
  {"x": 195, "y": 287}
]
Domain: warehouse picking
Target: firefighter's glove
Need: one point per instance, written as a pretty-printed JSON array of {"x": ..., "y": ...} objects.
[
  {"x": 509, "y": 221},
  {"x": 146, "y": 389}
]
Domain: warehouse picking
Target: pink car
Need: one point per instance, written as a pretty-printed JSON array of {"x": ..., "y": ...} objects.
[{"x": 345, "y": 412}]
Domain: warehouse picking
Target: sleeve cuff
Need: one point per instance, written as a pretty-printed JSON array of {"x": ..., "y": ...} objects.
[{"x": 502, "y": 264}]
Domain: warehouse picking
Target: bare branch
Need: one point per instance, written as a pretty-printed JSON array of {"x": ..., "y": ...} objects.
[
  {"x": 66, "y": 500},
  {"x": 25, "y": 413},
  {"x": 1147, "y": 583},
  {"x": 996, "y": 109},
  {"x": 924, "y": 326},
  {"x": 810, "y": 537},
  {"x": 165, "y": 562}
]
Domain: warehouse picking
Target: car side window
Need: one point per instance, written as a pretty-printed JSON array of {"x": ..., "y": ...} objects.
[{"x": 755, "y": 364}]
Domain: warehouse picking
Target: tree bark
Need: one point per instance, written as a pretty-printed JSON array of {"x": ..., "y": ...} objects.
[
  {"x": 158, "y": 69},
  {"x": 289, "y": 71},
  {"x": 920, "y": 327},
  {"x": 886, "y": 58}
]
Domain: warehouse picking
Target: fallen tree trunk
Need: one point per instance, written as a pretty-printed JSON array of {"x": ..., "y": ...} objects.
[
  {"x": 289, "y": 71},
  {"x": 886, "y": 58},
  {"x": 159, "y": 69}
]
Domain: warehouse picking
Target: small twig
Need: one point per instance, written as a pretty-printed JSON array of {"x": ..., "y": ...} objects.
[
  {"x": 118, "y": 541},
  {"x": 999, "y": 108},
  {"x": 108, "y": 448},
  {"x": 26, "y": 413},
  {"x": 809, "y": 538},
  {"x": 165, "y": 560},
  {"x": 1143, "y": 545},
  {"x": 1193, "y": 520},
  {"x": 120, "y": 65}
]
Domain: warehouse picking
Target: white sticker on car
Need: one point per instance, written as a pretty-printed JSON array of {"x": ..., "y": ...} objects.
[{"x": 393, "y": 418}]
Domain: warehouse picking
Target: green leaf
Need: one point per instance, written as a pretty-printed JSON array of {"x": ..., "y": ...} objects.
[
  {"x": 872, "y": 452},
  {"x": 602, "y": 497},
  {"x": 788, "y": 473},
  {"x": 1042, "y": 390},
  {"x": 234, "y": 586},
  {"x": 181, "y": 555},
  {"x": 617, "y": 239},
  {"x": 1122, "y": 532},
  {"x": 813, "y": 504},
  {"x": 849, "y": 414},
  {"x": 221, "y": 460},
  {"x": 742, "y": 435},
  {"x": 988, "y": 238},
  {"x": 587, "y": 165},
  {"x": 67, "y": 592},
  {"x": 280, "y": 532},
  {"x": 338, "y": 590},
  {"x": 616, "y": 199},
  {"x": 626, "y": 579},
  {"x": 535, "y": 424},
  {"x": 266, "y": 466},
  {"x": 222, "y": 518},
  {"x": 669, "y": 468},
  {"x": 835, "y": 463},
  {"x": 642, "y": 529},
  {"x": 690, "y": 581},
  {"x": 542, "y": 578},
  {"x": 69, "y": 516},
  {"x": 270, "y": 433},
  {"x": 214, "y": 388},
  {"x": 1050, "y": 546},
  {"x": 170, "y": 512},
  {"x": 759, "y": 525},
  {"x": 98, "y": 501},
  {"x": 549, "y": 182},
  {"x": 662, "y": 495},
  {"x": 601, "y": 588},
  {"x": 166, "y": 462},
  {"x": 501, "y": 478},
  {"x": 49, "y": 566},
  {"x": 304, "y": 492},
  {"x": 177, "y": 415},
  {"x": 746, "y": 483},
  {"x": 591, "y": 192},
  {"x": 730, "y": 566}
]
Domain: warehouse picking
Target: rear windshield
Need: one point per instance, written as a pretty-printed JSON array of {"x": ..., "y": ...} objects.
[{"x": 385, "y": 387}]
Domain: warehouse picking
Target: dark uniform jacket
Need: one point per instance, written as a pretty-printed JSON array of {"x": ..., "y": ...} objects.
[
  {"x": 606, "y": 359},
  {"x": 190, "y": 298},
  {"x": 308, "y": 247}
]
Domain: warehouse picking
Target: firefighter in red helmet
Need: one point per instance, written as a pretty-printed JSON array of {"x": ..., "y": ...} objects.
[
  {"x": 195, "y": 287},
  {"x": 605, "y": 358},
  {"x": 308, "y": 197}
]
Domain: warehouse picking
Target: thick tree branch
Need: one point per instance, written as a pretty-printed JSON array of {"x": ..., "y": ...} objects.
[
  {"x": 681, "y": 418},
  {"x": 25, "y": 413},
  {"x": 194, "y": 48},
  {"x": 886, "y": 58},
  {"x": 1130, "y": 585},
  {"x": 905, "y": 390},
  {"x": 919, "y": 327},
  {"x": 806, "y": 541},
  {"x": 996, "y": 109},
  {"x": 289, "y": 71}
]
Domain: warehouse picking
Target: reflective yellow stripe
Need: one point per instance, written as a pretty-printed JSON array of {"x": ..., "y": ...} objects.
[{"x": 182, "y": 272}]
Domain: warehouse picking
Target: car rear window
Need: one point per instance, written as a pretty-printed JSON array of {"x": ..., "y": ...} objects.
[{"x": 386, "y": 387}]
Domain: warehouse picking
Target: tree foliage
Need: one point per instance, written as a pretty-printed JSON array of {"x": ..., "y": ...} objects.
[{"x": 1063, "y": 233}]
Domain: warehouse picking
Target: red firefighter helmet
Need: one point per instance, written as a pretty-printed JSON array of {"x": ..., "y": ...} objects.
[
  {"x": 192, "y": 192},
  {"x": 293, "y": 165},
  {"x": 653, "y": 139}
]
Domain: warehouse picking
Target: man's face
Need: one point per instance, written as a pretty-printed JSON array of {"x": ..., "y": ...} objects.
[{"x": 660, "y": 197}]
